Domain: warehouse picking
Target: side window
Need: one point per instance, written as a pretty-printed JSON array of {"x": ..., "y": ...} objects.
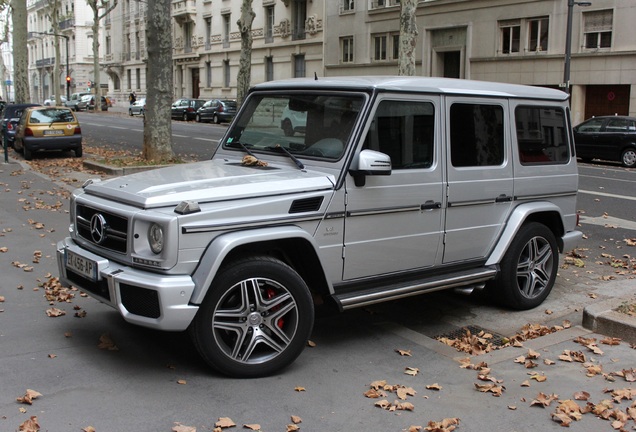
[
  {"x": 404, "y": 130},
  {"x": 616, "y": 125},
  {"x": 541, "y": 135},
  {"x": 476, "y": 133},
  {"x": 592, "y": 126}
]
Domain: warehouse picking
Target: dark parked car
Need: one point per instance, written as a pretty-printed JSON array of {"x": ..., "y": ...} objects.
[
  {"x": 186, "y": 109},
  {"x": 10, "y": 118},
  {"x": 217, "y": 110},
  {"x": 607, "y": 137}
]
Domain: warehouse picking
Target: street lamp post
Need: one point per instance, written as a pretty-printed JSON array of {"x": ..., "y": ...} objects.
[
  {"x": 68, "y": 83},
  {"x": 568, "y": 42}
]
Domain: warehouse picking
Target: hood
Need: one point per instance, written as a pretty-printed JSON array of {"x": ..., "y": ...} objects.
[{"x": 209, "y": 181}]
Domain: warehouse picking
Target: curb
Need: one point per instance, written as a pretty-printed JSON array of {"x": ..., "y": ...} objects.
[
  {"x": 603, "y": 318},
  {"x": 117, "y": 171}
]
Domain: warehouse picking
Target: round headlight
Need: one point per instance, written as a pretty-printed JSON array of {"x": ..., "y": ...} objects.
[{"x": 155, "y": 238}]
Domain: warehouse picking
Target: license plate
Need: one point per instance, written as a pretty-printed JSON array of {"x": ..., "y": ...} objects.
[
  {"x": 54, "y": 132},
  {"x": 81, "y": 265}
]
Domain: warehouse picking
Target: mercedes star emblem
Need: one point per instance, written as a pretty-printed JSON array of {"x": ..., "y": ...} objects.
[{"x": 98, "y": 228}]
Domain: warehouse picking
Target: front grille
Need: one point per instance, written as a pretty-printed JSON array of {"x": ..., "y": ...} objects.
[
  {"x": 99, "y": 288},
  {"x": 115, "y": 228},
  {"x": 140, "y": 301}
]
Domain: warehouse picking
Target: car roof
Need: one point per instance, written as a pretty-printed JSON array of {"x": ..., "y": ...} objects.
[
  {"x": 14, "y": 107},
  {"x": 449, "y": 86},
  {"x": 611, "y": 117},
  {"x": 44, "y": 108}
]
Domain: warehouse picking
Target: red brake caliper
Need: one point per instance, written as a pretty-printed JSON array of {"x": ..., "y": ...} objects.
[{"x": 270, "y": 294}]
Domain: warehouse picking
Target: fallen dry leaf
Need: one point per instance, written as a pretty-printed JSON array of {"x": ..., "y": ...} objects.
[
  {"x": 30, "y": 425},
  {"x": 403, "y": 352},
  {"x": 88, "y": 429},
  {"x": 254, "y": 426},
  {"x": 411, "y": 371},
  {"x": 296, "y": 420},
  {"x": 292, "y": 428},
  {"x": 299, "y": 389},
  {"x": 106, "y": 342},
  {"x": 178, "y": 427},
  {"x": 28, "y": 397},
  {"x": 182, "y": 382},
  {"x": 55, "y": 312},
  {"x": 225, "y": 422},
  {"x": 434, "y": 386}
]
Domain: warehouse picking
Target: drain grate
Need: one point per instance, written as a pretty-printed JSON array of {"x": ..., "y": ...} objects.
[{"x": 495, "y": 340}]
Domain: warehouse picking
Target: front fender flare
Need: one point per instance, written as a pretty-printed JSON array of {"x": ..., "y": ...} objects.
[{"x": 221, "y": 246}]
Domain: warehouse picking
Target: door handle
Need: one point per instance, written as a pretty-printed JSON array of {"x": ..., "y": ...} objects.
[
  {"x": 431, "y": 205},
  {"x": 503, "y": 198}
]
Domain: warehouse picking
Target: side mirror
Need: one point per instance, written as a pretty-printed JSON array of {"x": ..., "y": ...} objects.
[{"x": 369, "y": 162}]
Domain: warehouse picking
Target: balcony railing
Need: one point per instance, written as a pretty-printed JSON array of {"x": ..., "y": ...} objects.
[
  {"x": 45, "y": 62},
  {"x": 67, "y": 23},
  {"x": 181, "y": 8}
]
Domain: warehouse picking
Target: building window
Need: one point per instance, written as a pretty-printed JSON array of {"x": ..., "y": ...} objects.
[
  {"x": 226, "y": 73},
  {"x": 226, "y": 31},
  {"x": 138, "y": 78},
  {"x": 299, "y": 11},
  {"x": 348, "y": 5},
  {"x": 187, "y": 37},
  {"x": 269, "y": 68},
  {"x": 538, "y": 34},
  {"x": 129, "y": 78},
  {"x": 208, "y": 74},
  {"x": 299, "y": 66},
  {"x": 597, "y": 29},
  {"x": 208, "y": 33},
  {"x": 510, "y": 37},
  {"x": 346, "y": 47},
  {"x": 379, "y": 47},
  {"x": 269, "y": 24},
  {"x": 395, "y": 41}
]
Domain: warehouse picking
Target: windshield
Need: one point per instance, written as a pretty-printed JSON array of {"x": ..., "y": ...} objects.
[{"x": 306, "y": 125}]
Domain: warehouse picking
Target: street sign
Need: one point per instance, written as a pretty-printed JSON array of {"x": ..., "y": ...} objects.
[{"x": 8, "y": 82}]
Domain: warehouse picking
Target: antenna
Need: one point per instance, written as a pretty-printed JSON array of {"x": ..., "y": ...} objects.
[{"x": 315, "y": 76}]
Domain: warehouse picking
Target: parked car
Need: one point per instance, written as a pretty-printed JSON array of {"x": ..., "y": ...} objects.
[
  {"x": 138, "y": 107},
  {"x": 52, "y": 102},
  {"x": 48, "y": 128},
  {"x": 217, "y": 110},
  {"x": 292, "y": 121},
  {"x": 611, "y": 138},
  {"x": 427, "y": 188},
  {"x": 186, "y": 109},
  {"x": 75, "y": 100},
  {"x": 10, "y": 118},
  {"x": 87, "y": 103}
]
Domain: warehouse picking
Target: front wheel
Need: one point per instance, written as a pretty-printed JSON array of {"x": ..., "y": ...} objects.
[
  {"x": 185, "y": 116},
  {"x": 255, "y": 319},
  {"x": 529, "y": 268},
  {"x": 198, "y": 118},
  {"x": 216, "y": 119},
  {"x": 628, "y": 158}
]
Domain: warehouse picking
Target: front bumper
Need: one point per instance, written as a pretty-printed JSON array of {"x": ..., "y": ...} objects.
[{"x": 141, "y": 297}]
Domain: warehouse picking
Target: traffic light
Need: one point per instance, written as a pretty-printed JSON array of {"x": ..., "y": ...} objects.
[{"x": 68, "y": 81}]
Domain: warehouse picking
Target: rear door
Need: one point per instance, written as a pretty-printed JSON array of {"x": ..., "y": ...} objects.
[
  {"x": 480, "y": 182},
  {"x": 394, "y": 223}
]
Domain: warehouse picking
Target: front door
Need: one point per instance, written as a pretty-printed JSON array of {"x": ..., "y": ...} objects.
[
  {"x": 195, "y": 83},
  {"x": 480, "y": 183},
  {"x": 394, "y": 223}
]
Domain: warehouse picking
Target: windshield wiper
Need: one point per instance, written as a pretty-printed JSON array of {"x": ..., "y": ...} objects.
[
  {"x": 243, "y": 146},
  {"x": 298, "y": 163}
]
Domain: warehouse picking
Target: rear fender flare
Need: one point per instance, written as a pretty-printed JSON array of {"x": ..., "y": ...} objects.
[{"x": 518, "y": 217}]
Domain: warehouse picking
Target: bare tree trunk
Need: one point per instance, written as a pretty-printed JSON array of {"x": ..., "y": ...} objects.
[
  {"x": 4, "y": 39},
  {"x": 157, "y": 145},
  {"x": 408, "y": 37},
  {"x": 244, "y": 76},
  {"x": 96, "y": 5},
  {"x": 20, "y": 54}
]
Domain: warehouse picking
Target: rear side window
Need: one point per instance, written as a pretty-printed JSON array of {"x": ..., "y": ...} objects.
[
  {"x": 476, "y": 133},
  {"x": 541, "y": 135}
]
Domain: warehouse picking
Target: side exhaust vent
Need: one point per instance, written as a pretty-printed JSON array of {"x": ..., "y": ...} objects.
[{"x": 306, "y": 205}]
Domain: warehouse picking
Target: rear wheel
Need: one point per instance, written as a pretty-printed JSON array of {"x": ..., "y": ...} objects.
[
  {"x": 255, "y": 319},
  {"x": 78, "y": 151},
  {"x": 185, "y": 116},
  {"x": 198, "y": 118},
  {"x": 216, "y": 119},
  {"x": 628, "y": 158},
  {"x": 28, "y": 154},
  {"x": 529, "y": 268}
]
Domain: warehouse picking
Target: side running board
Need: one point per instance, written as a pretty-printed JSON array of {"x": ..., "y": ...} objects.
[{"x": 373, "y": 295}]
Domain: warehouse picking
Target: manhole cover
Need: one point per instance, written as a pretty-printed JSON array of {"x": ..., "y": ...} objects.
[{"x": 495, "y": 339}]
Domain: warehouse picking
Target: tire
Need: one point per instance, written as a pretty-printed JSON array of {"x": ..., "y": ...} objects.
[
  {"x": 628, "y": 158},
  {"x": 216, "y": 119},
  {"x": 78, "y": 151},
  {"x": 130, "y": 112},
  {"x": 255, "y": 319},
  {"x": 17, "y": 145},
  {"x": 28, "y": 154},
  {"x": 185, "y": 117},
  {"x": 528, "y": 269},
  {"x": 288, "y": 130},
  {"x": 198, "y": 118}
]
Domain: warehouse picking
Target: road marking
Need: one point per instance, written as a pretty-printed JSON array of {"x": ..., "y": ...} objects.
[
  {"x": 607, "y": 178},
  {"x": 608, "y": 221},
  {"x": 607, "y": 195},
  {"x": 180, "y": 136},
  {"x": 207, "y": 139}
]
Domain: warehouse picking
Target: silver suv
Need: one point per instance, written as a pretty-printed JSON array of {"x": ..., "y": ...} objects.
[{"x": 398, "y": 186}]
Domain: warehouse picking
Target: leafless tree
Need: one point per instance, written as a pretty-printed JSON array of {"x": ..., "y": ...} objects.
[
  {"x": 245, "y": 62},
  {"x": 157, "y": 144},
  {"x": 20, "y": 54},
  {"x": 105, "y": 7},
  {"x": 408, "y": 37}
]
